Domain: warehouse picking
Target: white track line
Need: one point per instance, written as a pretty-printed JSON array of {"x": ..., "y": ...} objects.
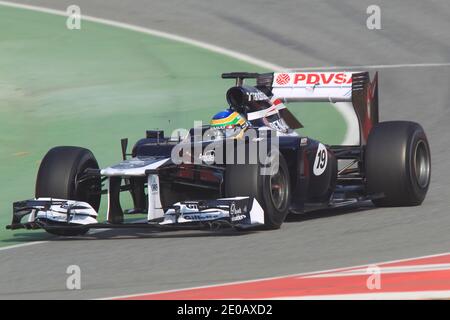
[
  {"x": 345, "y": 112},
  {"x": 377, "y": 66},
  {"x": 22, "y": 245},
  {"x": 414, "y": 295},
  {"x": 277, "y": 277},
  {"x": 157, "y": 33},
  {"x": 386, "y": 270},
  {"x": 351, "y": 137}
]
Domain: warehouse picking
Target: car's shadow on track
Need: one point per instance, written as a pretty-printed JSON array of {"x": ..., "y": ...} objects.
[
  {"x": 116, "y": 234},
  {"x": 328, "y": 213}
]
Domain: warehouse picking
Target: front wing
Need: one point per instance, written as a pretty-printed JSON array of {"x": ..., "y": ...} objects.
[{"x": 46, "y": 213}]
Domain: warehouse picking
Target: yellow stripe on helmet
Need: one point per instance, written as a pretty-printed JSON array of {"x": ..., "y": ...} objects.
[{"x": 230, "y": 118}]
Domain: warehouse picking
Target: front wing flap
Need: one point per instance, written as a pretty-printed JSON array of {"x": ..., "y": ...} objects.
[{"x": 238, "y": 211}]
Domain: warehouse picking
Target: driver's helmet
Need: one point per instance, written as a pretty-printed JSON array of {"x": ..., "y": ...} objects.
[{"x": 228, "y": 124}]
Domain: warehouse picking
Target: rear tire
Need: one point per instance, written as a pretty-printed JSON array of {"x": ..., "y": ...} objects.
[
  {"x": 57, "y": 178},
  {"x": 398, "y": 163},
  {"x": 272, "y": 191}
]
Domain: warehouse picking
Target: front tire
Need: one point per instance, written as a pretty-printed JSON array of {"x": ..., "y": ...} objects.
[
  {"x": 57, "y": 178},
  {"x": 398, "y": 163},
  {"x": 271, "y": 190}
]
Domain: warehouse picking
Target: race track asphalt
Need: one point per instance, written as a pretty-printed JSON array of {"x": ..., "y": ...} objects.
[{"x": 291, "y": 34}]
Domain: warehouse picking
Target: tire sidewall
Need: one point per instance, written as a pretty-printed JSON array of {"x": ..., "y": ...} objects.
[
  {"x": 85, "y": 161},
  {"x": 417, "y": 193},
  {"x": 274, "y": 216}
]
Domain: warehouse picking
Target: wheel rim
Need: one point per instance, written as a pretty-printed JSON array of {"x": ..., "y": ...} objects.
[
  {"x": 278, "y": 189},
  {"x": 422, "y": 164}
]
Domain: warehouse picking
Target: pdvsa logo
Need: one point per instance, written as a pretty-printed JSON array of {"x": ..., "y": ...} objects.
[
  {"x": 313, "y": 78},
  {"x": 324, "y": 79},
  {"x": 282, "y": 79}
]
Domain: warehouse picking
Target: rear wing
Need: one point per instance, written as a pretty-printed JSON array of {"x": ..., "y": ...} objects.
[{"x": 352, "y": 87}]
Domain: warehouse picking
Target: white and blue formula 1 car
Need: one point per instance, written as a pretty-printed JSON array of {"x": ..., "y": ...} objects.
[{"x": 389, "y": 164}]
